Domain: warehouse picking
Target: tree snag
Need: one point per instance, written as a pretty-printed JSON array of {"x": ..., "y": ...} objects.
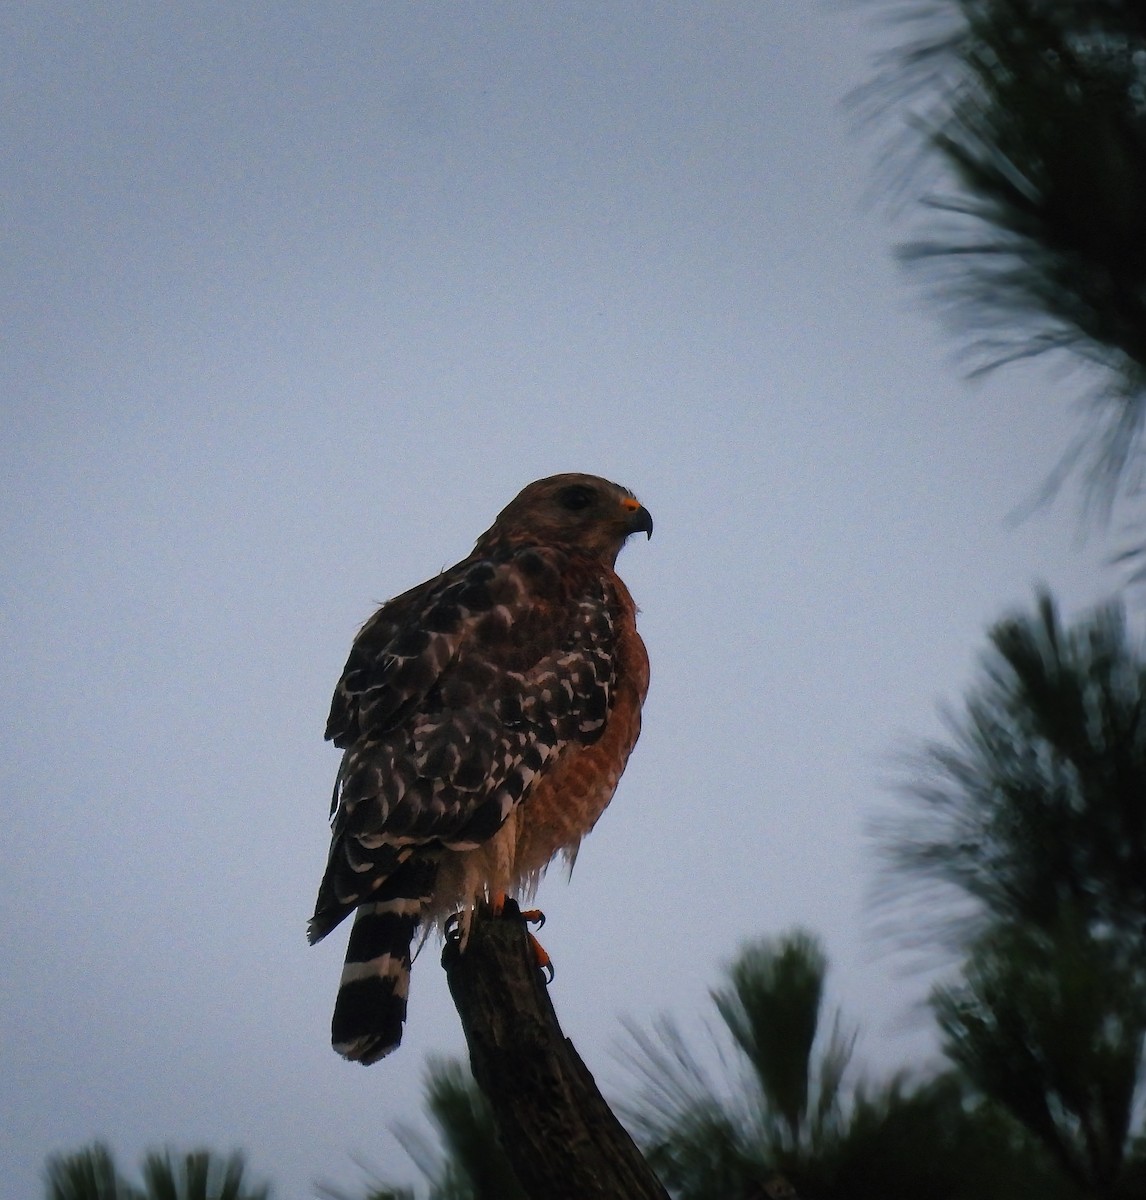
[{"x": 561, "y": 1137}]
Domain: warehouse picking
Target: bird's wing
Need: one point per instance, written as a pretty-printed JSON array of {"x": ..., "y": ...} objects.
[{"x": 455, "y": 699}]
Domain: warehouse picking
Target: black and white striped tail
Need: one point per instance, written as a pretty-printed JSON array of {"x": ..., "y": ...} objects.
[{"x": 371, "y": 1006}]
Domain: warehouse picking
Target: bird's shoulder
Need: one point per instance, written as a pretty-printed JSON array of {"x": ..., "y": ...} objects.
[{"x": 499, "y": 612}]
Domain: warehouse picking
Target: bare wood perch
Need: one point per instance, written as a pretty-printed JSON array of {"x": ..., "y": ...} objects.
[{"x": 561, "y": 1137}]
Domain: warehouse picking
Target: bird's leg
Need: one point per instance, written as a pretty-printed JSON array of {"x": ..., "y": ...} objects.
[
  {"x": 541, "y": 957},
  {"x": 534, "y": 916},
  {"x": 497, "y": 903}
]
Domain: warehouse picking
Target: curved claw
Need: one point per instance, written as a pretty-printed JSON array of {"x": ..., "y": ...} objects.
[
  {"x": 534, "y": 916},
  {"x": 452, "y": 928},
  {"x": 541, "y": 958}
]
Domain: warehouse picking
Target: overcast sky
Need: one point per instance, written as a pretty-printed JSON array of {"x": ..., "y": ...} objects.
[{"x": 295, "y": 298}]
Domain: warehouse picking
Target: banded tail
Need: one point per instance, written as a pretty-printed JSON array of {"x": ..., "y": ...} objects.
[{"x": 370, "y": 1009}]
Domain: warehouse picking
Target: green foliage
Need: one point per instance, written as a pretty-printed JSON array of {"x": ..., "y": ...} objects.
[
  {"x": 702, "y": 1137},
  {"x": 87, "y": 1174},
  {"x": 198, "y": 1175},
  {"x": 375, "y": 1189},
  {"x": 1034, "y": 810},
  {"x": 771, "y": 1007},
  {"x": 91, "y": 1174},
  {"x": 477, "y": 1168},
  {"x": 783, "y": 1106},
  {"x": 1032, "y": 113},
  {"x": 1034, "y": 813},
  {"x": 934, "y": 1141},
  {"x": 466, "y": 1162},
  {"x": 1052, "y": 1026}
]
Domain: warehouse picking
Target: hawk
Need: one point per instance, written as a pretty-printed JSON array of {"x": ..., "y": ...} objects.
[{"x": 485, "y": 718}]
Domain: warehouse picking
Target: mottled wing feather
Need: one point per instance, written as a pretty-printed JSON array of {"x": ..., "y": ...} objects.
[
  {"x": 401, "y": 651},
  {"x": 455, "y": 698}
]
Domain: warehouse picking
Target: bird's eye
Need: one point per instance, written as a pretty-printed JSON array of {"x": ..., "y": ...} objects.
[{"x": 576, "y": 497}]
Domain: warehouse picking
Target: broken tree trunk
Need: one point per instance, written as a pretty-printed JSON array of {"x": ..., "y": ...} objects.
[{"x": 561, "y": 1137}]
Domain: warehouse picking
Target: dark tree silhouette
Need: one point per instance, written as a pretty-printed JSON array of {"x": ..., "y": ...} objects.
[
  {"x": 1027, "y": 123},
  {"x": 787, "y": 1118},
  {"x": 1033, "y": 810},
  {"x": 87, "y": 1174},
  {"x": 1033, "y": 814},
  {"x": 91, "y": 1174},
  {"x": 789, "y": 1107},
  {"x": 1052, "y": 1026},
  {"x": 561, "y": 1137},
  {"x": 464, "y": 1161}
]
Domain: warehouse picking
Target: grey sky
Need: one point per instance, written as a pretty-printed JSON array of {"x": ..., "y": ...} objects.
[{"x": 295, "y": 298}]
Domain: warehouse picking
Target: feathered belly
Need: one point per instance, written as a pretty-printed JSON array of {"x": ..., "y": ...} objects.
[{"x": 560, "y": 809}]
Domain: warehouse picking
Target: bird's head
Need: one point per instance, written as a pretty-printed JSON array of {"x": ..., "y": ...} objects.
[{"x": 581, "y": 511}]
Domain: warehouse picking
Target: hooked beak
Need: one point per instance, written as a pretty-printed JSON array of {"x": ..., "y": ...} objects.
[{"x": 640, "y": 519}]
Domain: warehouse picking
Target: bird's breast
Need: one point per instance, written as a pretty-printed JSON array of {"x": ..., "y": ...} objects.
[{"x": 567, "y": 799}]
